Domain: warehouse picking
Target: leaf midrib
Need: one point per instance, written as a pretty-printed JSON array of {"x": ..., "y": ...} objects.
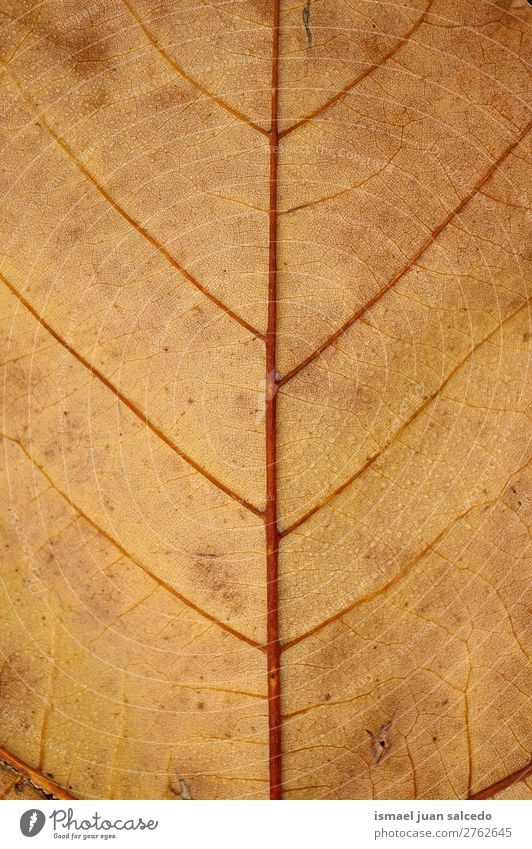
[{"x": 269, "y": 338}]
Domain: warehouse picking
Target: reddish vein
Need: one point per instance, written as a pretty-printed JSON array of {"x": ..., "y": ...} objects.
[
  {"x": 347, "y": 88},
  {"x": 136, "y": 225},
  {"x": 272, "y": 531},
  {"x": 394, "y": 437},
  {"x": 125, "y": 553},
  {"x": 182, "y": 73},
  {"x": 36, "y": 778},
  {"x": 127, "y": 401},
  {"x": 503, "y": 783},
  {"x": 273, "y": 647},
  {"x": 411, "y": 262}
]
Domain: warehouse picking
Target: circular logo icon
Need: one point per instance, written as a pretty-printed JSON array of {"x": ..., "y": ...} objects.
[{"x": 32, "y": 822}]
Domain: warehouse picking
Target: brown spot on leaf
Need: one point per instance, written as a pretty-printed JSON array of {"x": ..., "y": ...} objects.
[
  {"x": 86, "y": 43},
  {"x": 179, "y": 787},
  {"x": 380, "y": 742}
]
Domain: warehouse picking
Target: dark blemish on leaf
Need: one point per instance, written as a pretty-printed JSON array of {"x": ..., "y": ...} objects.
[
  {"x": 179, "y": 787},
  {"x": 306, "y": 22},
  {"x": 97, "y": 100},
  {"x": 167, "y": 96},
  {"x": 88, "y": 47},
  {"x": 380, "y": 741},
  {"x": 327, "y": 697},
  {"x": 200, "y": 705}
]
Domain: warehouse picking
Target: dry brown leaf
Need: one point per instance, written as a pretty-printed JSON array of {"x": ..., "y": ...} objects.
[{"x": 265, "y": 307}]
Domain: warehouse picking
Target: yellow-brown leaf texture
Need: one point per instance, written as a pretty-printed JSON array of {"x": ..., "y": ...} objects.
[{"x": 264, "y": 293}]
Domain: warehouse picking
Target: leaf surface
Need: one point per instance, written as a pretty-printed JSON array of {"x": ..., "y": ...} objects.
[
  {"x": 266, "y": 344},
  {"x": 14, "y": 787}
]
